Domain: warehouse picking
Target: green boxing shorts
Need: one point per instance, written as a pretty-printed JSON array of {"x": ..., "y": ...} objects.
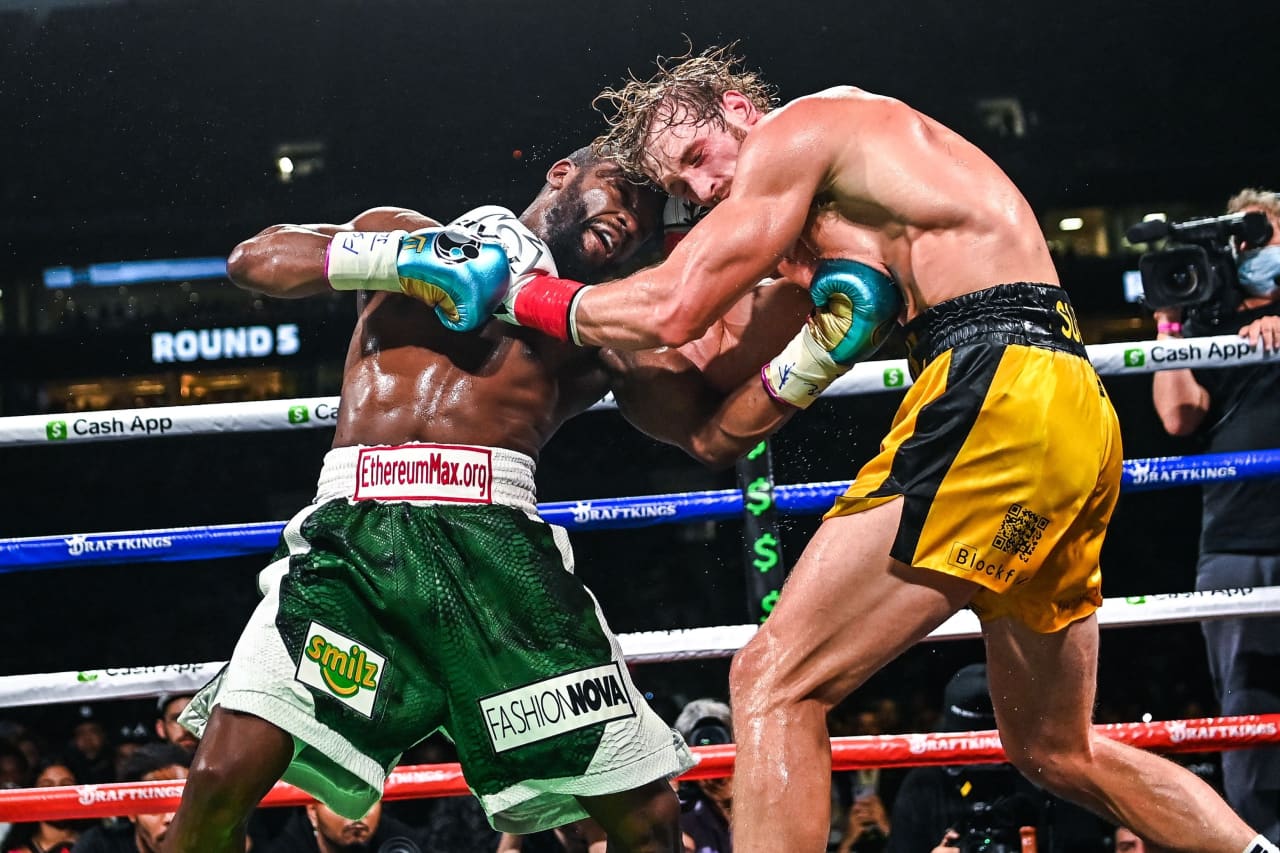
[{"x": 420, "y": 591}]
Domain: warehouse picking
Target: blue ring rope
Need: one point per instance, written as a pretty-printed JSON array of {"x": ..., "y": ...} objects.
[{"x": 235, "y": 540}]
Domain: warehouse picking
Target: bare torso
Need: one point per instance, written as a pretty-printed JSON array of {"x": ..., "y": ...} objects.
[
  {"x": 408, "y": 379},
  {"x": 905, "y": 193}
]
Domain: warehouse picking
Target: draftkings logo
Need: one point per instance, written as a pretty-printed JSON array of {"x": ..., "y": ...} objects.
[{"x": 341, "y": 667}]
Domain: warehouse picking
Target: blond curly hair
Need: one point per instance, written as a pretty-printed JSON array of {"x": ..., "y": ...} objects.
[
  {"x": 685, "y": 90},
  {"x": 1255, "y": 197}
]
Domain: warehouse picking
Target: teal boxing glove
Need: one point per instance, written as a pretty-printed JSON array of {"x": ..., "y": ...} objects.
[
  {"x": 459, "y": 274},
  {"x": 856, "y": 309}
]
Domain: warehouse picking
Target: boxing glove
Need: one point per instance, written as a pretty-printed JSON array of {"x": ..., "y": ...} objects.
[
  {"x": 456, "y": 272},
  {"x": 855, "y": 309}
]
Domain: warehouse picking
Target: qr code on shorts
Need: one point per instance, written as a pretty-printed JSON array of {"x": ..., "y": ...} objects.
[{"x": 1020, "y": 532}]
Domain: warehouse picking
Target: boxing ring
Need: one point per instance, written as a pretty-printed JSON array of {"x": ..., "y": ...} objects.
[{"x": 755, "y": 503}]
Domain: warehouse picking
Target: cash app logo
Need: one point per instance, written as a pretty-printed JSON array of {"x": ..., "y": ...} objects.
[
  {"x": 894, "y": 377},
  {"x": 1134, "y": 358},
  {"x": 55, "y": 430},
  {"x": 299, "y": 415}
]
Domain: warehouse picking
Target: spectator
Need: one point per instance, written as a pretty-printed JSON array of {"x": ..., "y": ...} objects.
[
  {"x": 582, "y": 836},
  {"x": 707, "y": 804},
  {"x": 128, "y": 739},
  {"x": 15, "y": 768},
  {"x": 1237, "y": 410},
  {"x": 168, "y": 707},
  {"x": 859, "y": 817},
  {"x": 140, "y": 833},
  {"x": 454, "y": 824},
  {"x": 937, "y": 806},
  {"x": 88, "y": 754},
  {"x": 46, "y": 836},
  {"x": 1127, "y": 842},
  {"x": 318, "y": 829}
]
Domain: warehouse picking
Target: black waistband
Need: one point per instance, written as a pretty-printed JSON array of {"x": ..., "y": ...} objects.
[{"x": 1038, "y": 315}]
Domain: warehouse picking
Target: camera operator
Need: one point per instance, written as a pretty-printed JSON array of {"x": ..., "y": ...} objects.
[
  {"x": 982, "y": 807},
  {"x": 1234, "y": 410}
]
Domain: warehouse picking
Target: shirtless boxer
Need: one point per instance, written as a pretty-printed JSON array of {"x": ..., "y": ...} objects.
[
  {"x": 999, "y": 474},
  {"x": 420, "y": 589}
]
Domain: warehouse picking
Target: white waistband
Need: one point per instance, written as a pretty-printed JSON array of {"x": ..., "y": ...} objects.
[{"x": 429, "y": 474}]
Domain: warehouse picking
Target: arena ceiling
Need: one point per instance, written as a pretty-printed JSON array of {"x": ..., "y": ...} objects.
[{"x": 155, "y": 126}]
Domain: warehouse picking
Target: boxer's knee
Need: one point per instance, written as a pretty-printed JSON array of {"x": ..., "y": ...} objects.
[
  {"x": 759, "y": 682},
  {"x": 1062, "y": 767}
]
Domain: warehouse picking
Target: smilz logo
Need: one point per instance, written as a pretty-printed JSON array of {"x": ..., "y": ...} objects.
[{"x": 341, "y": 667}]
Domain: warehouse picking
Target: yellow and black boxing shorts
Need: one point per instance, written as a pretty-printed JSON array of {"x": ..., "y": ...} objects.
[{"x": 1006, "y": 454}]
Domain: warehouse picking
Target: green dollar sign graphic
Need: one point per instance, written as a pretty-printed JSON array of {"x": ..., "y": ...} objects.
[
  {"x": 758, "y": 450},
  {"x": 768, "y": 603},
  {"x": 758, "y": 496},
  {"x": 86, "y": 676},
  {"x": 767, "y": 547}
]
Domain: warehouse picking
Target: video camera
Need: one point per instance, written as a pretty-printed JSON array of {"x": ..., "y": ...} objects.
[
  {"x": 1197, "y": 269},
  {"x": 997, "y": 805}
]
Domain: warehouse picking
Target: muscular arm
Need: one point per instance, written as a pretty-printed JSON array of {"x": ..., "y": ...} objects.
[
  {"x": 1180, "y": 401},
  {"x": 783, "y": 165},
  {"x": 706, "y": 397},
  {"x": 287, "y": 261}
]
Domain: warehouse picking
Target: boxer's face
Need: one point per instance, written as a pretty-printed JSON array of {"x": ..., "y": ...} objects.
[
  {"x": 696, "y": 160},
  {"x": 599, "y": 220}
]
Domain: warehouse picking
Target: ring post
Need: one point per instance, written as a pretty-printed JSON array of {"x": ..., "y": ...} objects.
[{"x": 762, "y": 555}]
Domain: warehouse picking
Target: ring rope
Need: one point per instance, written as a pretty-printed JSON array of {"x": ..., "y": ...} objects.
[
  {"x": 1115, "y": 359},
  {"x": 206, "y": 542},
  {"x": 640, "y": 647},
  {"x": 847, "y": 753}
]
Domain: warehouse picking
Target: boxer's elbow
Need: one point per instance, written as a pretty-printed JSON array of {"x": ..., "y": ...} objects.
[
  {"x": 248, "y": 265},
  {"x": 677, "y": 321},
  {"x": 716, "y": 446},
  {"x": 262, "y": 265},
  {"x": 1181, "y": 421}
]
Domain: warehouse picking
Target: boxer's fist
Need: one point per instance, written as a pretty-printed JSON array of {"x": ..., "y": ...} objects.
[
  {"x": 856, "y": 309},
  {"x": 460, "y": 275}
]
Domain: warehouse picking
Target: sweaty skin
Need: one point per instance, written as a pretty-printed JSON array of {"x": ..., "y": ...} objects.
[
  {"x": 409, "y": 379},
  {"x": 844, "y": 173},
  {"x": 841, "y": 173}
]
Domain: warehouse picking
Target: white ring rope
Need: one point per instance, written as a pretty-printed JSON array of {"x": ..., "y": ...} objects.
[
  {"x": 1117, "y": 359},
  {"x": 641, "y": 647}
]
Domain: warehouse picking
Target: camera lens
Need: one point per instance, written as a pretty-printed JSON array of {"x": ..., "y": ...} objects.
[{"x": 1184, "y": 281}]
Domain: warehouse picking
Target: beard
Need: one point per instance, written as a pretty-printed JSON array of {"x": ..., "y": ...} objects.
[{"x": 564, "y": 223}]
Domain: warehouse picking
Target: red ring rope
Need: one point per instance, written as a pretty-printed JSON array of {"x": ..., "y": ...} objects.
[{"x": 847, "y": 753}]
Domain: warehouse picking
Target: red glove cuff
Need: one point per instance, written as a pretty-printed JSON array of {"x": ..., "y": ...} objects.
[{"x": 544, "y": 304}]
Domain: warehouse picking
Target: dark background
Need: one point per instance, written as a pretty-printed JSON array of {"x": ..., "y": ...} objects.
[
  {"x": 136, "y": 124},
  {"x": 150, "y": 129}
]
